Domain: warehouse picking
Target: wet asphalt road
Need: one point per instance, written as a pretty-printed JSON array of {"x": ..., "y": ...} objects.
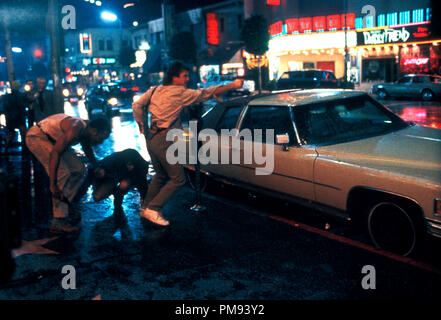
[{"x": 243, "y": 246}]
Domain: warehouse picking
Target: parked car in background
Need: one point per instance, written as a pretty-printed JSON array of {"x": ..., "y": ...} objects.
[
  {"x": 73, "y": 92},
  {"x": 110, "y": 99},
  {"x": 310, "y": 79},
  {"x": 422, "y": 86},
  {"x": 339, "y": 151}
]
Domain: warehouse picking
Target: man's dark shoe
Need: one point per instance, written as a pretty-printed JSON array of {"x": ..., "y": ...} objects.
[{"x": 62, "y": 226}]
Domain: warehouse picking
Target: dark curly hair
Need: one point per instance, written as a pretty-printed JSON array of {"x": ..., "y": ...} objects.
[{"x": 174, "y": 70}]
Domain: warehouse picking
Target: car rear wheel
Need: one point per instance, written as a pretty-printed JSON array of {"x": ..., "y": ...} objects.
[
  {"x": 382, "y": 94},
  {"x": 427, "y": 95},
  {"x": 393, "y": 227}
]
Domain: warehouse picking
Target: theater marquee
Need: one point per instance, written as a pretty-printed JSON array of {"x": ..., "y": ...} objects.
[{"x": 395, "y": 35}]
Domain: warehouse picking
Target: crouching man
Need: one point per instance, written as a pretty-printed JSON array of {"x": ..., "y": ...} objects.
[
  {"x": 50, "y": 140},
  {"x": 117, "y": 174}
]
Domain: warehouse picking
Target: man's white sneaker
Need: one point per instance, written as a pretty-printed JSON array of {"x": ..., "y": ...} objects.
[{"x": 154, "y": 216}]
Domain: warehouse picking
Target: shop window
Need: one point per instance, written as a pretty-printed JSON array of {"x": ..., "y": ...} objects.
[
  {"x": 101, "y": 45},
  {"x": 109, "y": 45},
  {"x": 381, "y": 20}
]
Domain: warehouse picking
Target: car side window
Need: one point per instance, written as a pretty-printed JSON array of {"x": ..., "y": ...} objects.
[
  {"x": 419, "y": 79},
  {"x": 285, "y": 76},
  {"x": 404, "y": 80},
  {"x": 277, "y": 119},
  {"x": 229, "y": 118}
]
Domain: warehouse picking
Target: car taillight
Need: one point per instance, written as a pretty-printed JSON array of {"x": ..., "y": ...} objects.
[
  {"x": 123, "y": 89},
  {"x": 135, "y": 88}
]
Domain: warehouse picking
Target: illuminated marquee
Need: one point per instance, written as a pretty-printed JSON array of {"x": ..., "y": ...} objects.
[
  {"x": 393, "y": 35},
  {"x": 212, "y": 29},
  {"x": 273, "y": 2},
  {"x": 309, "y": 24}
]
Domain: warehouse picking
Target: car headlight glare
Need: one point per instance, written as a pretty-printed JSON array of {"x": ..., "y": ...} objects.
[
  {"x": 113, "y": 101},
  {"x": 80, "y": 91},
  {"x": 65, "y": 92}
]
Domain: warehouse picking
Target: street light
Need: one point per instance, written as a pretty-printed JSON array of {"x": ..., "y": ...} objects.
[{"x": 109, "y": 16}]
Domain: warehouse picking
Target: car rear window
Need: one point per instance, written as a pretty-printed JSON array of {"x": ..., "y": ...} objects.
[
  {"x": 229, "y": 118},
  {"x": 339, "y": 121}
]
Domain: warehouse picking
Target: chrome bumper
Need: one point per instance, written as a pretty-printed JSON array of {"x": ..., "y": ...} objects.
[{"x": 433, "y": 228}]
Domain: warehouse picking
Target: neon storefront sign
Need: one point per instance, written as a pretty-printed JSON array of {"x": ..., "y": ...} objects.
[
  {"x": 416, "y": 61},
  {"x": 386, "y": 36}
]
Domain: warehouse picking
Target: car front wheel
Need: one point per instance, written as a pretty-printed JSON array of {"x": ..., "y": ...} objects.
[
  {"x": 382, "y": 94},
  {"x": 427, "y": 95},
  {"x": 393, "y": 227}
]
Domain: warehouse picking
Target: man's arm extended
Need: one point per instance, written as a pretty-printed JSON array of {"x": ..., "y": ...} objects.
[
  {"x": 72, "y": 133},
  {"x": 88, "y": 151}
]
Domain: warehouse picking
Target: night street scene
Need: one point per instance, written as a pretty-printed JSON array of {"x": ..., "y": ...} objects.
[{"x": 220, "y": 156}]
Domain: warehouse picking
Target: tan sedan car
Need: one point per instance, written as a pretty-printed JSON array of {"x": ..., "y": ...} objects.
[{"x": 336, "y": 150}]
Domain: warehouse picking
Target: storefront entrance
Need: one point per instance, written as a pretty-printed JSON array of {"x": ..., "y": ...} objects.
[{"x": 383, "y": 69}]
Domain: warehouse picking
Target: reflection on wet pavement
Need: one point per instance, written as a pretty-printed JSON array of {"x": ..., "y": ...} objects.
[{"x": 422, "y": 113}]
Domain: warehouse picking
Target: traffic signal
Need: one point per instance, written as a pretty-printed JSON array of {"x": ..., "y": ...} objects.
[{"x": 38, "y": 53}]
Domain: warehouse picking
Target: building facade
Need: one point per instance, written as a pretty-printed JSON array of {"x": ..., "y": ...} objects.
[
  {"x": 94, "y": 53},
  {"x": 215, "y": 32},
  {"x": 379, "y": 41}
]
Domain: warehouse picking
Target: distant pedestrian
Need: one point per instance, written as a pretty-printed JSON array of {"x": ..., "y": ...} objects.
[
  {"x": 165, "y": 104},
  {"x": 29, "y": 92},
  {"x": 15, "y": 111},
  {"x": 50, "y": 141},
  {"x": 43, "y": 105}
]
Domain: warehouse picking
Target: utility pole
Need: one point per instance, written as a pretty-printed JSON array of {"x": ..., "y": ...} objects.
[
  {"x": 8, "y": 51},
  {"x": 54, "y": 31},
  {"x": 346, "y": 43},
  {"x": 167, "y": 16}
]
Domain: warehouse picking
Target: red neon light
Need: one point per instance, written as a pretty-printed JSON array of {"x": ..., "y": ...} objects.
[
  {"x": 422, "y": 32},
  {"x": 38, "y": 53},
  {"x": 273, "y": 2},
  {"x": 350, "y": 20},
  {"x": 305, "y": 24},
  {"x": 416, "y": 61},
  {"x": 319, "y": 23},
  {"x": 212, "y": 29},
  {"x": 333, "y": 22},
  {"x": 276, "y": 28},
  {"x": 292, "y": 25}
]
